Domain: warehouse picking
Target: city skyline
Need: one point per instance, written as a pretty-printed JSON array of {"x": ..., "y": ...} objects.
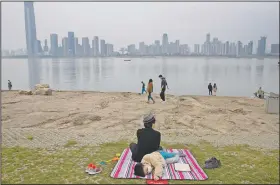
[{"x": 175, "y": 32}]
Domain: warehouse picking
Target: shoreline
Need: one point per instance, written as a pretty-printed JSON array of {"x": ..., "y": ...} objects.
[
  {"x": 94, "y": 118},
  {"x": 113, "y": 92},
  {"x": 139, "y": 57}
]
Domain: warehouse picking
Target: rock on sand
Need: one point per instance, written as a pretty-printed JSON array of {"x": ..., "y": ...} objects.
[
  {"x": 25, "y": 92},
  {"x": 41, "y": 86}
]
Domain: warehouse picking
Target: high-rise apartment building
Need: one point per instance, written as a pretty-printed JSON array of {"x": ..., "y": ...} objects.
[
  {"x": 274, "y": 49},
  {"x": 65, "y": 47},
  {"x": 86, "y": 46},
  {"x": 157, "y": 47},
  {"x": 54, "y": 45},
  {"x": 261, "y": 46},
  {"x": 142, "y": 49},
  {"x": 196, "y": 49},
  {"x": 46, "y": 48},
  {"x": 131, "y": 49},
  {"x": 110, "y": 49},
  {"x": 71, "y": 43},
  {"x": 95, "y": 46},
  {"x": 103, "y": 49},
  {"x": 165, "y": 44},
  {"x": 250, "y": 48},
  {"x": 30, "y": 29},
  {"x": 239, "y": 48},
  {"x": 77, "y": 49}
]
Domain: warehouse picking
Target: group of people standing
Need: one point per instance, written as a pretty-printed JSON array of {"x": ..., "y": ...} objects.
[
  {"x": 212, "y": 89},
  {"x": 150, "y": 88}
]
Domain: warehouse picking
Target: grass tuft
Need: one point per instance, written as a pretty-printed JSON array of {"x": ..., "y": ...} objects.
[
  {"x": 70, "y": 143},
  {"x": 30, "y": 137}
]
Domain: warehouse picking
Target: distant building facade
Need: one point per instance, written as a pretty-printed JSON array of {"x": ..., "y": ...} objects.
[
  {"x": 54, "y": 45},
  {"x": 71, "y": 44},
  {"x": 30, "y": 29}
]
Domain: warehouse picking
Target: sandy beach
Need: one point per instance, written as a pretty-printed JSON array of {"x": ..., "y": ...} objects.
[{"x": 93, "y": 118}]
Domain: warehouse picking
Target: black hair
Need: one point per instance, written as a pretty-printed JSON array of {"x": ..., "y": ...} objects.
[
  {"x": 138, "y": 170},
  {"x": 151, "y": 80},
  {"x": 160, "y": 76}
]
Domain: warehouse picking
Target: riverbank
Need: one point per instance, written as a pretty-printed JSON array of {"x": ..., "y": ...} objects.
[
  {"x": 95, "y": 118},
  {"x": 147, "y": 56}
]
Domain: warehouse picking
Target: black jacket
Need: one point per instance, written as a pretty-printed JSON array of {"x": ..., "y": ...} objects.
[
  {"x": 148, "y": 142},
  {"x": 210, "y": 87}
]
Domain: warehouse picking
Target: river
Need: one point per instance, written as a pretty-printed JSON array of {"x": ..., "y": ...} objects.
[{"x": 185, "y": 75}]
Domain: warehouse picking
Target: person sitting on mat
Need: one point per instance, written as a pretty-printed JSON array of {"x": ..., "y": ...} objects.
[
  {"x": 148, "y": 139},
  {"x": 157, "y": 161}
]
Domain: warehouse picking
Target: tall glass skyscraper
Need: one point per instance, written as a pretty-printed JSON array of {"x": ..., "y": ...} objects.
[
  {"x": 71, "y": 43},
  {"x": 54, "y": 44},
  {"x": 165, "y": 44},
  {"x": 30, "y": 28},
  {"x": 261, "y": 46}
]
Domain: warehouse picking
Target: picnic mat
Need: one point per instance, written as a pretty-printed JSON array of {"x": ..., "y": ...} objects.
[{"x": 125, "y": 168}]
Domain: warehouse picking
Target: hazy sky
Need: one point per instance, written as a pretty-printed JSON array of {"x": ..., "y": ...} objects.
[{"x": 122, "y": 23}]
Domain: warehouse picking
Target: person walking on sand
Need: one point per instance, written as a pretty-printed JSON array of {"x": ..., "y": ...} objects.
[
  {"x": 215, "y": 88},
  {"x": 143, "y": 88},
  {"x": 10, "y": 85},
  {"x": 150, "y": 90},
  {"x": 210, "y": 88},
  {"x": 260, "y": 93},
  {"x": 163, "y": 87}
]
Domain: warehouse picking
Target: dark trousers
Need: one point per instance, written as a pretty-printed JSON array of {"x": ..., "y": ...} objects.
[
  {"x": 134, "y": 149},
  {"x": 162, "y": 94},
  {"x": 210, "y": 92},
  {"x": 150, "y": 97}
]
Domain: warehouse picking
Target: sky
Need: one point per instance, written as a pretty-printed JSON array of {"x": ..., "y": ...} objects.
[{"x": 122, "y": 23}]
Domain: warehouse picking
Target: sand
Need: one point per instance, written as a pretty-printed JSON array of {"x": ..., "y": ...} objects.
[{"x": 93, "y": 118}]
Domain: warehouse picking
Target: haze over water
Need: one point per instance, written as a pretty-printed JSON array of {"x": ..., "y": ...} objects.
[{"x": 185, "y": 76}]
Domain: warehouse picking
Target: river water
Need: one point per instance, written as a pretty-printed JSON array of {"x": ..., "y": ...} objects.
[{"x": 185, "y": 76}]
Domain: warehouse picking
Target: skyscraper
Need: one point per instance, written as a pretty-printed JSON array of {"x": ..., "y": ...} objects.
[
  {"x": 196, "y": 49},
  {"x": 71, "y": 43},
  {"x": 239, "y": 48},
  {"x": 110, "y": 49},
  {"x": 164, "y": 43},
  {"x": 77, "y": 48},
  {"x": 142, "y": 49},
  {"x": 157, "y": 47},
  {"x": 46, "y": 48},
  {"x": 65, "y": 46},
  {"x": 30, "y": 28},
  {"x": 86, "y": 46},
  {"x": 227, "y": 52},
  {"x": 208, "y": 37},
  {"x": 54, "y": 45},
  {"x": 95, "y": 46},
  {"x": 103, "y": 48},
  {"x": 261, "y": 46},
  {"x": 177, "y": 43},
  {"x": 250, "y": 48},
  {"x": 131, "y": 49},
  {"x": 274, "y": 49},
  {"x": 38, "y": 47}
]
